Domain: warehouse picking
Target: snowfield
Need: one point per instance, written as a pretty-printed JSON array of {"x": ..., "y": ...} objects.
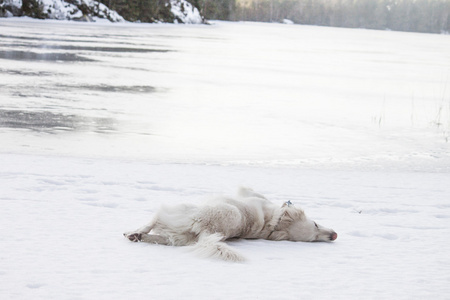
[
  {"x": 64, "y": 217},
  {"x": 63, "y": 220},
  {"x": 101, "y": 125}
]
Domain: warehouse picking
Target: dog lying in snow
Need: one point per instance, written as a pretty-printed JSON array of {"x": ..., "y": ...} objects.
[{"x": 249, "y": 216}]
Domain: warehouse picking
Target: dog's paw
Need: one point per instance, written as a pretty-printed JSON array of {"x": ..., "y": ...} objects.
[{"x": 134, "y": 237}]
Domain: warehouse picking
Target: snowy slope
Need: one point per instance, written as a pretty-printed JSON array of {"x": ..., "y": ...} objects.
[
  {"x": 183, "y": 11},
  {"x": 61, "y": 10}
]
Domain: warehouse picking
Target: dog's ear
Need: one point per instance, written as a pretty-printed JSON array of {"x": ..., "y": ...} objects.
[
  {"x": 289, "y": 215},
  {"x": 284, "y": 217},
  {"x": 282, "y": 221}
]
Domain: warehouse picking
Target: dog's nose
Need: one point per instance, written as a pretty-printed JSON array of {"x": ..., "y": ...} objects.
[{"x": 333, "y": 236}]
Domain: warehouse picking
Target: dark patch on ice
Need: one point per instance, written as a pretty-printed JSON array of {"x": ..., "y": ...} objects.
[
  {"x": 387, "y": 236},
  {"x": 88, "y": 48},
  {"x": 66, "y": 38},
  {"x": 38, "y": 38},
  {"x": 35, "y": 285},
  {"x": 45, "y": 121},
  {"x": 198, "y": 37},
  {"x": 358, "y": 234},
  {"x": 33, "y": 56},
  {"x": 51, "y": 91},
  {"x": 442, "y": 216},
  {"x": 28, "y": 73},
  {"x": 112, "y": 88},
  {"x": 104, "y": 49},
  {"x": 73, "y": 38},
  {"x": 105, "y": 205}
]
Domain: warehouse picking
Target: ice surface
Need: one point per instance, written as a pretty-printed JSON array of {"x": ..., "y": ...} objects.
[
  {"x": 351, "y": 125},
  {"x": 237, "y": 93}
]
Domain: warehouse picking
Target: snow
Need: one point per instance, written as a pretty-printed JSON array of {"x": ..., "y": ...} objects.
[
  {"x": 182, "y": 10},
  {"x": 185, "y": 12},
  {"x": 17, "y": 3},
  {"x": 62, "y": 10},
  {"x": 63, "y": 219},
  {"x": 7, "y": 5},
  {"x": 341, "y": 122}
]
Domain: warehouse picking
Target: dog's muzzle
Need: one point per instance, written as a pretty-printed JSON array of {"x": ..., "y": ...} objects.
[{"x": 333, "y": 236}]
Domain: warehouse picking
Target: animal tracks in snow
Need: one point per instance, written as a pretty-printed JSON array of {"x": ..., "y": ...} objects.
[
  {"x": 384, "y": 211},
  {"x": 442, "y": 216},
  {"x": 35, "y": 285},
  {"x": 360, "y": 234}
]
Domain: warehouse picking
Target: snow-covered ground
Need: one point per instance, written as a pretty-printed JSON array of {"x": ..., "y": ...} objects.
[
  {"x": 100, "y": 125},
  {"x": 63, "y": 219}
]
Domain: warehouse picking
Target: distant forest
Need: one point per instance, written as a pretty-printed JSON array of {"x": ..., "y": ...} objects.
[
  {"x": 147, "y": 11},
  {"x": 402, "y": 15}
]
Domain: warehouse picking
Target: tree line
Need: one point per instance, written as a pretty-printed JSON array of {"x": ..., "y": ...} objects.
[
  {"x": 147, "y": 11},
  {"x": 159, "y": 10},
  {"x": 402, "y": 15}
]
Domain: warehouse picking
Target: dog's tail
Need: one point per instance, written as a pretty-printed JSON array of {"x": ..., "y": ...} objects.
[
  {"x": 248, "y": 192},
  {"x": 212, "y": 245}
]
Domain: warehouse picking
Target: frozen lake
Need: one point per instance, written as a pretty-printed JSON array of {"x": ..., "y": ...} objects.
[
  {"x": 266, "y": 94},
  {"x": 101, "y": 124}
]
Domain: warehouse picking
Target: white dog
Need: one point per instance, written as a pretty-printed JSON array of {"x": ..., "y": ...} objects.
[{"x": 249, "y": 216}]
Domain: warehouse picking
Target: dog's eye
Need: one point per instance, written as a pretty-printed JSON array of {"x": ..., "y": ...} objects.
[{"x": 316, "y": 225}]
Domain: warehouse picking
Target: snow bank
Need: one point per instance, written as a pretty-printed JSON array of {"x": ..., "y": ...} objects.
[
  {"x": 89, "y": 10},
  {"x": 61, "y": 10},
  {"x": 185, "y": 12},
  {"x": 288, "y": 22},
  {"x": 9, "y": 8}
]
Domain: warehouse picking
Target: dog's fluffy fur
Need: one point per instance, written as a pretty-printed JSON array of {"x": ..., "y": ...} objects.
[{"x": 249, "y": 216}]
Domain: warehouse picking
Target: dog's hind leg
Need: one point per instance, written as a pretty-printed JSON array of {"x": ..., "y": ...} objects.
[
  {"x": 149, "y": 238},
  {"x": 133, "y": 235}
]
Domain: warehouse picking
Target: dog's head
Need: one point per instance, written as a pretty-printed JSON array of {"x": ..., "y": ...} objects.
[{"x": 294, "y": 225}]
